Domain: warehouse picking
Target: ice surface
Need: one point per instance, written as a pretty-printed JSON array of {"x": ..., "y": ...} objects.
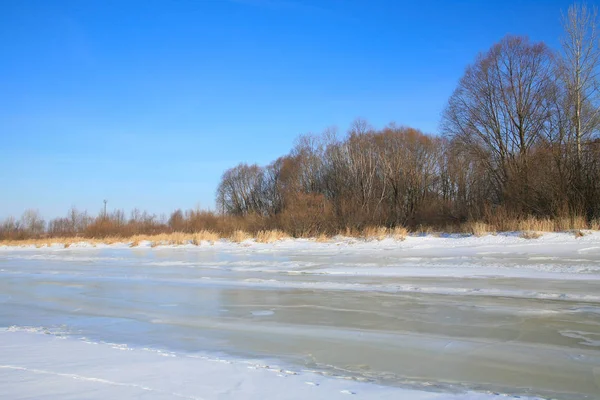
[
  {"x": 33, "y": 365},
  {"x": 437, "y": 315}
]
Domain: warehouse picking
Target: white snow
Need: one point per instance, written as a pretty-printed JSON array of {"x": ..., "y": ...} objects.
[{"x": 34, "y": 365}]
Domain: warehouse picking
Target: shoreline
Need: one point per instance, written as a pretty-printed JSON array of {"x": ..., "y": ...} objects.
[{"x": 209, "y": 238}]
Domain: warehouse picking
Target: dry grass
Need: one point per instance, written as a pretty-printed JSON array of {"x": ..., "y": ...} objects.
[
  {"x": 49, "y": 242},
  {"x": 579, "y": 223},
  {"x": 173, "y": 239},
  {"x": 163, "y": 239},
  {"x": 566, "y": 224},
  {"x": 239, "y": 236},
  {"x": 530, "y": 227},
  {"x": 322, "y": 238},
  {"x": 478, "y": 229},
  {"x": 270, "y": 236},
  {"x": 207, "y": 236},
  {"x": 399, "y": 233},
  {"x": 179, "y": 238},
  {"x": 349, "y": 232},
  {"x": 109, "y": 240},
  {"x": 374, "y": 233},
  {"x": 535, "y": 224},
  {"x": 531, "y": 235},
  {"x": 562, "y": 224}
]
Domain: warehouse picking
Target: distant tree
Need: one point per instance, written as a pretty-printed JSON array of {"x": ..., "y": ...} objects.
[
  {"x": 177, "y": 221},
  {"x": 239, "y": 192},
  {"x": 502, "y": 106},
  {"x": 33, "y": 223},
  {"x": 10, "y": 228}
]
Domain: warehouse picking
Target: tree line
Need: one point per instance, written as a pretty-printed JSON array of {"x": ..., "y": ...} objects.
[{"x": 519, "y": 139}]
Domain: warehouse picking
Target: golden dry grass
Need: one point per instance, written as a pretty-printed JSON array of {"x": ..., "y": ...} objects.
[
  {"x": 478, "y": 229},
  {"x": 399, "y": 233},
  {"x": 205, "y": 235},
  {"x": 109, "y": 240},
  {"x": 239, "y": 236},
  {"x": 49, "y": 242},
  {"x": 175, "y": 238},
  {"x": 375, "y": 233},
  {"x": 165, "y": 239},
  {"x": 270, "y": 236},
  {"x": 566, "y": 224},
  {"x": 535, "y": 224},
  {"x": 562, "y": 224}
]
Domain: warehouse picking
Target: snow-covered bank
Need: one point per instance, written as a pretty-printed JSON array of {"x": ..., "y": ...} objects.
[
  {"x": 435, "y": 240},
  {"x": 34, "y": 365},
  {"x": 553, "y": 256}
]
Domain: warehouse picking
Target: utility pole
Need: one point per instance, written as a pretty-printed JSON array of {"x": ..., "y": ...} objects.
[{"x": 105, "y": 201}]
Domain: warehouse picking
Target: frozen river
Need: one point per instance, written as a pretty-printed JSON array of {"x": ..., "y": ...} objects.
[{"x": 494, "y": 314}]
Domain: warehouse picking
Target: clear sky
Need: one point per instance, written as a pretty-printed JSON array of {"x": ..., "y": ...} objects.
[{"x": 146, "y": 103}]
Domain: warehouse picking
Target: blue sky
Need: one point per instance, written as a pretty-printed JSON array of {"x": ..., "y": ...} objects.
[{"x": 146, "y": 103}]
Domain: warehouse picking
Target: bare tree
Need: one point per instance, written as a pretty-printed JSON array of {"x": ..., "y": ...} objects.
[
  {"x": 240, "y": 190},
  {"x": 579, "y": 70},
  {"x": 501, "y": 106},
  {"x": 10, "y": 228},
  {"x": 32, "y": 222},
  {"x": 177, "y": 221}
]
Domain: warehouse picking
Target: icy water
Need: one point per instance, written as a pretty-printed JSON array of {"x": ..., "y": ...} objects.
[{"x": 517, "y": 320}]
